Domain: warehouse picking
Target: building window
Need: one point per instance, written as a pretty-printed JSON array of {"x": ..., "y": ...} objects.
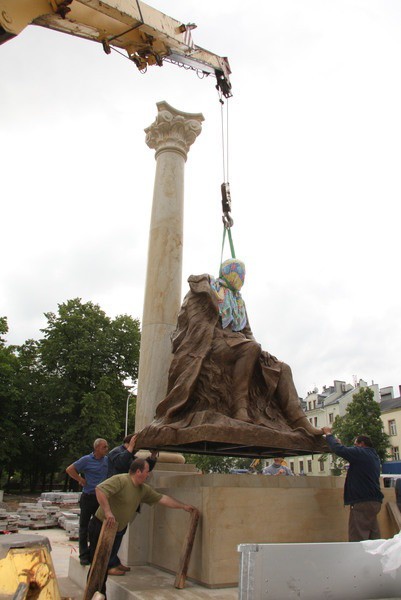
[
  {"x": 331, "y": 417},
  {"x": 315, "y": 421},
  {"x": 310, "y": 405},
  {"x": 321, "y": 465},
  {"x": 314, "y": 404},
  {"x": 309, "y": 466},
  {"x": 392, "y": 428},
  {"x": 301, "y": 467},
  {"x": 292, "y": 465},
  {"x": 395, "y": 451}
]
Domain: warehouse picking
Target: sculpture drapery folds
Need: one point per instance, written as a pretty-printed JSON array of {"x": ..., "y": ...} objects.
[{"x": 222, "y": 387}]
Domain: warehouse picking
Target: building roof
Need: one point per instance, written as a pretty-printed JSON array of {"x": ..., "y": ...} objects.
[{"x": 390, "y": 404}]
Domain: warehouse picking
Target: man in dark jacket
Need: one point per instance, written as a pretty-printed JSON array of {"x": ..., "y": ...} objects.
[
  {"x": 121, "y": 457},
  {"x": 362, "y": 486}
]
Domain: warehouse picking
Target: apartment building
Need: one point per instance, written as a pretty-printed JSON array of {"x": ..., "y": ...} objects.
[
  {"x": 391, "y": 417},
  {"x": 321, "y": 410}
]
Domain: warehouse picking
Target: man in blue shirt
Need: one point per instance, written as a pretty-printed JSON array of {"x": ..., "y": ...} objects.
[
  {"x": 94, "y": 467},
  {"x": 362, "y": 486}
]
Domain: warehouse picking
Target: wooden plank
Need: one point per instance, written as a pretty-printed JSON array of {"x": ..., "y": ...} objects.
[
  {"x": 394, "y": 514},
  {"x": 100, "y": 561},
  {"x": 21, "y": 592},
  {"x": 186, "y": 551}
]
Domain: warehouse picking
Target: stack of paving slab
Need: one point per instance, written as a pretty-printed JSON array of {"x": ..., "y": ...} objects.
[
  {"x": 68, "y": 510},
  {"x": 8, "y": 521},
  {"x": 70, "y": 522},
  {"x": 35, "y": 516},
  {"x": 45, "y": 513}
]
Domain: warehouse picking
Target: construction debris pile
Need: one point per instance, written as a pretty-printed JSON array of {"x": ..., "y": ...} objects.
[
  {"x": 8, "y": 521},
  {"x": 53, "y": 509}
]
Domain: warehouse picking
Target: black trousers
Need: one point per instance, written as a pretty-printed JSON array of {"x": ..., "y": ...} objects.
[{"x": 89, "y": 505}]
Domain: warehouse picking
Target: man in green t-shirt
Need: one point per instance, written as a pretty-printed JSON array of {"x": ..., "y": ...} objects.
[{"x": 119, "y": 497}]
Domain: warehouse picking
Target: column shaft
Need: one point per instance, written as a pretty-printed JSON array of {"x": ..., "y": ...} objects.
[{"x": 171, "y": 135}]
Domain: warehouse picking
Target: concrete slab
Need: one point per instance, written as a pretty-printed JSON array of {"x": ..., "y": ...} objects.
[{"x": 149, "y": 583}]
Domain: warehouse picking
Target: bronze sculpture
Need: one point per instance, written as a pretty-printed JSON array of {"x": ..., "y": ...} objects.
[{"x": 221, "y": 383}]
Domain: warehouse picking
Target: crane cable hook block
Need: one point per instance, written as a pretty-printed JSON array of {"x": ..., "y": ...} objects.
[
  {"x": 227, "y": 218},
  {"x": 226, "y": 205}
]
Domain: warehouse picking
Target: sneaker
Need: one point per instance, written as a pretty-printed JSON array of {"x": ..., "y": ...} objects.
[{"x": 84, "y": 562}]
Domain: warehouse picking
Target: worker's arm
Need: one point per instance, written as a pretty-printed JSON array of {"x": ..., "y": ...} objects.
[
  {"x": 349, "y": 453},
  {"x": 173, "y": 503},
  {"x": 104, "y": 503},
  {"x": 119, "y": 459},
  {"x": 73, "y": 473}
]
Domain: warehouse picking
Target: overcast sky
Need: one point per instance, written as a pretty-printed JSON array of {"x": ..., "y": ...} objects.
[{"x": 314, "y": 169}]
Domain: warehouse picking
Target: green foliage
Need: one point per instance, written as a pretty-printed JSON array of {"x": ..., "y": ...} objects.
[
  {"x": 9, "y": 399},
  {"x": 58, "y": 394},
  {"x": 362, "y": 417},
  {"x": 217, "y": 464},
  {"x": 90, "y": 359}
]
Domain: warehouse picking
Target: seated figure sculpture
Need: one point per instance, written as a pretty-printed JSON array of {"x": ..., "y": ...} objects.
[{"x": 219, "y": 369}]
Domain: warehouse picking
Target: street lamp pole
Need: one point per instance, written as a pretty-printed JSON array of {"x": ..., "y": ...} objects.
[{"x": 126, "y": 414}]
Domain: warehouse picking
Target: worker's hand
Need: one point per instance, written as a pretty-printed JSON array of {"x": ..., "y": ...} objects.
[
  {"x": 110, "y": 519},
  {"x": 82, "y": 482},
  {"x": 132, "y": 443},
  {"x": 280, "y": 472},
  {"x": 154, "y": 454},
  {"x": 189, "y": 507},
  {"x": 326, "y": 430}
]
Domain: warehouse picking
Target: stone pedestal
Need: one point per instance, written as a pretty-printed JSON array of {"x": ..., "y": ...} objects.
[
  {"x": 242, "y": 509},
  {"x": 171, "y": 135}
]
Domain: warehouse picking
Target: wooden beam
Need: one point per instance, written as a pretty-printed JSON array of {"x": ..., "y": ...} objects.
[
  {"x": 186, "y": 551},
  {"x": 98, "y": 570},
  {"x": 395, "y": 514}
]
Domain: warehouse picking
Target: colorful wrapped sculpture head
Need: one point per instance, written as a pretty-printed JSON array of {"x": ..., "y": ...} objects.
[{"x": 232, "y": 272}]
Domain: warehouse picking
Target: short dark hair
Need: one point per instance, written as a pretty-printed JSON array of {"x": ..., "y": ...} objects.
[
  {"x": 128, "y": 438},
  {"x": 365, "y": 439},
  {"x": 138, "y": 464}
]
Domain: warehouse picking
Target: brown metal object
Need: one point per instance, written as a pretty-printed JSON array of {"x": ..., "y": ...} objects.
[
  {"x": 225, "y": 394},
  {"x": 186, "y": 551}
]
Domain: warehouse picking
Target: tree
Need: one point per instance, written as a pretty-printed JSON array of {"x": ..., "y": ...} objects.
[
  {"x": 9, "y": 401},
  {"x": 58, "y": 394},
  {"x": 362, "y": 417},
  {"x": 91, "y": 361},
  {"x": 217, "y": 464},
  {"x": 42, "y": 420}
]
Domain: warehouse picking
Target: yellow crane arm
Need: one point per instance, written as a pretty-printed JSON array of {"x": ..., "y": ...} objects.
[{"x": 147, "y": 35}]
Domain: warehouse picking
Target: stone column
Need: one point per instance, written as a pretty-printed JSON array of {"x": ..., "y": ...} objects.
[{"x": 171, "y": 135}]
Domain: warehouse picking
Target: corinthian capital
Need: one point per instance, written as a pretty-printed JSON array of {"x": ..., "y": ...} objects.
[{"x": 173, "y": 130}]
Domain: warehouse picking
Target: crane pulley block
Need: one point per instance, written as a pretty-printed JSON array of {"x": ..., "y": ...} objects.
[{"x": 226, "y": 205}]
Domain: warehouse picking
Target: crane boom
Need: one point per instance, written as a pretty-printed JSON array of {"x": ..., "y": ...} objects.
[{"x": 147, "y": 35}]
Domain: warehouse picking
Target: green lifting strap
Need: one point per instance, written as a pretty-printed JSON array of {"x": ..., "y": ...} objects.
[{"x": 230, "y": 239}]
